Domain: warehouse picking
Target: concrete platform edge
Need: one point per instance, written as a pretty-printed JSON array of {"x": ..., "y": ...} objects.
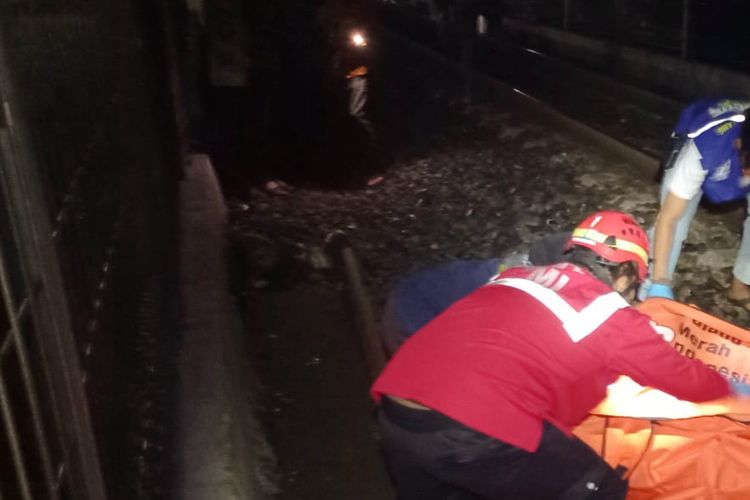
[{"x": 221, "y": 452}]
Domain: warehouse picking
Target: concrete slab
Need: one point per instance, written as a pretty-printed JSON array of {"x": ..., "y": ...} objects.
[{"x": 222, "y": 453}]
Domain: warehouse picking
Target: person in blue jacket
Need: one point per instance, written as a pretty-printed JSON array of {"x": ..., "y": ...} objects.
[
  {"x": 710, "y": 159},
  {"x": 421, "y": 296}
]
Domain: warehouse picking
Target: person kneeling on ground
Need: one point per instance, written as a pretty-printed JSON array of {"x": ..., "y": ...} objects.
[
  {"x": 419, "y": 297},
  {"x": 480, "y": 402}
]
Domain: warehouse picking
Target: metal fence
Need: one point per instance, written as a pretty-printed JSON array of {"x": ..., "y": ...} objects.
[{"x": 88, "y": 170}]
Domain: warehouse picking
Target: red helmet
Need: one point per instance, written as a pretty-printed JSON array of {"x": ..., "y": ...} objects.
[{"x": 615, "y": 236}]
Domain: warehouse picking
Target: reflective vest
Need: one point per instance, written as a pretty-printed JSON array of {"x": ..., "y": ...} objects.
[{"x": 714, "y": 125}]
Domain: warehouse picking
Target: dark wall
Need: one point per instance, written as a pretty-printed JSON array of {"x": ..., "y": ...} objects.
[{"x": 89, "y": 177}]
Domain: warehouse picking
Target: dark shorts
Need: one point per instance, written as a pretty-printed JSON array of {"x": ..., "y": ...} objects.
[{"x": 431, "y": 456}]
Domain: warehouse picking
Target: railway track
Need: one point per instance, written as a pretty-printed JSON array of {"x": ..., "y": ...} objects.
[
  {"x": 625, "y": 104},
  {"x": 455, "y": 197},
  {"x": 619, "y": 120},
  {"x": 623, "y": 121}
]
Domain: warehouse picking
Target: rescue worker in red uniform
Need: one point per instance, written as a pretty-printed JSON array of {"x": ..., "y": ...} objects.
[{"x": 480, "y": 402}]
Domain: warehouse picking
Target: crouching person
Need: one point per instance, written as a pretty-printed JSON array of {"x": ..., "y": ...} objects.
[
  {"x": 480, "y": 402},
  {"x": 419, "y": 297}
]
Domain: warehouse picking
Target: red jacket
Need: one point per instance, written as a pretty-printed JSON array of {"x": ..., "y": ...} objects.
[{"x": 537, "y": 343}]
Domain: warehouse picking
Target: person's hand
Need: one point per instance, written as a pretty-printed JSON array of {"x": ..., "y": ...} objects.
[
  {"x": 660, "y": 290},
  {"x": 740, "y": 389}
]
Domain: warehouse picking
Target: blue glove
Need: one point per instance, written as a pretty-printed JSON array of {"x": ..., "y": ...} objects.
[
  {"x": 740, "y": 389},
  {"x": 660, "y": 290}
]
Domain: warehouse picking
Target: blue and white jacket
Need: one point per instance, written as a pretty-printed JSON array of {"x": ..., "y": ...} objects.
[{"x": 714, "y": 125}]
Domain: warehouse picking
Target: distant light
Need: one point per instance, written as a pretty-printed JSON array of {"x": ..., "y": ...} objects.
[
  {"x": 482, "y": 26},
  {"x": 358, "y": 39}
]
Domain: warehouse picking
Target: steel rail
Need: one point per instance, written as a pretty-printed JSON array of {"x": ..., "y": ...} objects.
[
  {"x": 537, "y": 110},
  {"x": 343, "y": 252}
]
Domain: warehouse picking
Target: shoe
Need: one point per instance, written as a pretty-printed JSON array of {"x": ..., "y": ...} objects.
[
  {"x": 374, "y": 181},
  {"x": 277, "y": 187}
]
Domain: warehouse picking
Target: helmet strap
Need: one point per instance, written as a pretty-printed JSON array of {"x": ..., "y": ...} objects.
[{"x": 594, "y": 263}]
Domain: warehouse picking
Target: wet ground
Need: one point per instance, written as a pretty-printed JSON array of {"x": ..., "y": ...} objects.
[{"x": 463, "y": 180}]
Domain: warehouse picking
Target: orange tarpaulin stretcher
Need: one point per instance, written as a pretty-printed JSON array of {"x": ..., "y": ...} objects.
[{"x": 672, "y": 449}]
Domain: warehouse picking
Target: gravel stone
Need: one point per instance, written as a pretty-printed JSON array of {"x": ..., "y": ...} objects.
[{"x": 490, "y": 183}]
